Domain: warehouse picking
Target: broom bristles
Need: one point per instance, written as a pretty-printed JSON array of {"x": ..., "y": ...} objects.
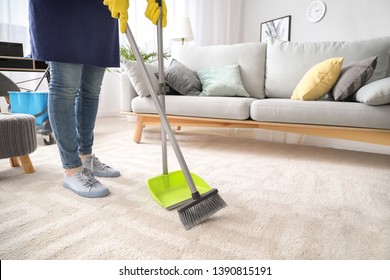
[{"x": 197, "y": 211}]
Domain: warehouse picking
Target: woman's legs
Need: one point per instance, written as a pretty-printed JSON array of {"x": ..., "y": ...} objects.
[
  {"x": 73, "y": 105},
  {"x": 73, "y": 102},
  {"x": 65, "y": 80}
]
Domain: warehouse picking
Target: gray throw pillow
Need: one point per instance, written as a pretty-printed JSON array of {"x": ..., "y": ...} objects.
[
  {"x": 353, "y": 77},
  {"x": 182, "y": 79},
  {"x": 375, "y": 93}
]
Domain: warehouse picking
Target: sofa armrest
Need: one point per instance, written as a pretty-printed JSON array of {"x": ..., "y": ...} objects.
[{"x": 127, "y": 93}]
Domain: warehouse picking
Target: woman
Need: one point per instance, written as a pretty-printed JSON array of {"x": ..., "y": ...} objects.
[{"x": 79, "y": 39}]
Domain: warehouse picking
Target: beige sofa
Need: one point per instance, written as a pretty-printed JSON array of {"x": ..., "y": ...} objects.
[{"x": 270, "y": 72}]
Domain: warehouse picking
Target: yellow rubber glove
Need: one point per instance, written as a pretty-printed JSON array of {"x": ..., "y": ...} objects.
[
  {"x": 118, "y": 9},
  {"x": 153, "y": 12}
]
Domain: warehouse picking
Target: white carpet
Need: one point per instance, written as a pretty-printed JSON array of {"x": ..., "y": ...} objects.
[{"x": 284, "y": 202}]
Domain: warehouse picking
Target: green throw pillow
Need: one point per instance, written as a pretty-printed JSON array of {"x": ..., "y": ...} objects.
[
  {"x": 222, "y": 81},
  {"x": 375, "y": 93}
]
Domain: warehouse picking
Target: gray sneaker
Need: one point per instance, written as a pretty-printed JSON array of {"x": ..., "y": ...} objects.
[
  {"x": 85, "y": 184},
  {"x": 99, "y": 169}
]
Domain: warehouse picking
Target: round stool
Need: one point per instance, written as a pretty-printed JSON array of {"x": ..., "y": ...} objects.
[{"x": 18, "y": 139}]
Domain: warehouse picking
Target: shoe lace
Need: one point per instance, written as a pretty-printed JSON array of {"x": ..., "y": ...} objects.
[
  {"x": 87, "y": 178},
  {"x": 95, "y": 162}
]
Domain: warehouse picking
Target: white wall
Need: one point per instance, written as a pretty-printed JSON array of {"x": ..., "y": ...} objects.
[
  {"x": 345, "y": 20},
  {"x": 109, "y": 104}
]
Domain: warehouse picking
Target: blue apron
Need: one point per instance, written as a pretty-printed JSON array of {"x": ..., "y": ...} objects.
[{"x": 73, "y": 31}]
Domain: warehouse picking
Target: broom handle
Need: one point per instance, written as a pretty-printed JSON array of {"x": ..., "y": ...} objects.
[{"x": 163, "y": 117}]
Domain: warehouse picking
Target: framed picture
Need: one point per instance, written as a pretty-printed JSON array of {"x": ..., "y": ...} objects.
[{"x": 277, "y": 28}]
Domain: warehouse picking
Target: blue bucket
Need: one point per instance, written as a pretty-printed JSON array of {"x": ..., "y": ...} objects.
[{"x": 33, "y": 103}]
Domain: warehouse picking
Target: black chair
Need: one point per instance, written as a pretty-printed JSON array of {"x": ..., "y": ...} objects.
[{"x": 6, "y": 85}]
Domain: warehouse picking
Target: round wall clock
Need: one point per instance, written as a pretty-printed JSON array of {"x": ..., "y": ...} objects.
[{"x": 316, "y": 11}]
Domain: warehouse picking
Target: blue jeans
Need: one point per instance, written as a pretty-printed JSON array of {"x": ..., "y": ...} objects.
[{"x": 73, "y": 102}]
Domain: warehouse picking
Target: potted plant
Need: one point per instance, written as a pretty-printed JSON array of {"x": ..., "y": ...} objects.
[{"x": 126, "y": 53}]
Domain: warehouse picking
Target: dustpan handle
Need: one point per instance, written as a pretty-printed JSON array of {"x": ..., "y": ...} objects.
[
  {"x": 161, "y": 88},
  {"x": 163, "y": 118}
]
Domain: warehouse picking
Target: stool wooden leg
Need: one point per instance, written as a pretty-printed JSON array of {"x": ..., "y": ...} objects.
[
  {"x": 27, "y": 165},
  {"x": 14, "y": 161}
]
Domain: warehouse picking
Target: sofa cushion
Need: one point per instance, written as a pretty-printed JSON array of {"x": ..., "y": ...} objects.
[
  {"x": 318, "y": 80},
  {"x": 182, "y": 79},
  {"x": 134, "y": 72},
  {"x": 289, "y": 61},
  {"x": 249, "y": 56},
  {"x": 375, "y": 93},
  {"x": 222, "y": 81},
  {"x": 236, "y": 108},
  {"x": 353, "y": 114},
  {"x": 352, "y": 77}
]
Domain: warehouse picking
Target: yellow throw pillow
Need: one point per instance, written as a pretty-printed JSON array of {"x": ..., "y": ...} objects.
[{"x": 318, "y": 80}]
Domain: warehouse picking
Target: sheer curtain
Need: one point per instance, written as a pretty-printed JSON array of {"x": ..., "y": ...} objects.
[
  {"x": 144, "y": 32},
  {"x": 214, "y": 21},
  {"x": 14, "y": 22}
]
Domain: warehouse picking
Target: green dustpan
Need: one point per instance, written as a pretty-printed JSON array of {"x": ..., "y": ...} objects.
[{"x": 172, "y": 190}]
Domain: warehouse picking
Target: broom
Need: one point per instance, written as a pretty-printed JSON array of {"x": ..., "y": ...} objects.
[{"x": 200, "y": 207}]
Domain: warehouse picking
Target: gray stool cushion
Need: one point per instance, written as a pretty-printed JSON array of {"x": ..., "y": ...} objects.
[{"x": 17, "y": 135}]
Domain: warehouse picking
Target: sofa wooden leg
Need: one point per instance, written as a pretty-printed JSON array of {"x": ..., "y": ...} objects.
[
  {"x": 177, "y": 128},
  {"x": 27, "y": 164},
  {"x": 301, "y": 139},
  {"x": 270, "y": 136},
  {"x": 139, "y": 126},
  {"x": 14, "y": 161}
]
